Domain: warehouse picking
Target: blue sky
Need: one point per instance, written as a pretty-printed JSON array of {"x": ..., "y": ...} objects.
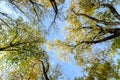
[{"x": 69, "y": 68}]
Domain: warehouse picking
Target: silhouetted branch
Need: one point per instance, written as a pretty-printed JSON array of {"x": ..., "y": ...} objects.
[
  {"x": 97, "y": 20},
  {"x": 12, "y": 2},
  {"x": 33, "y": 4},
  {"x": 44, "y": 71},
  {"x": 115, "y": 32},
  {"x": 5, "y": 23},
  {"x": 6, "y": 15},
  {"x": 112, "y": 9},
  {"x": 54, "y": 5},
  {"x": 101, "y": 40},
  {"x": 15, "y": 45}
]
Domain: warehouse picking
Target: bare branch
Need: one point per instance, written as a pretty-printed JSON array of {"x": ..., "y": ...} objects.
[
  {"x": 101, "y": 40},
  {"x": 3, "y": 13},
  {"x": 11, "y": 1},
  {"x": 97, "y": 20},
  {"x": 112, "y": 9},
  {"x": 54, "y": 5},
  {"x": 44, "y": 71},
  {"x": 6, "y": 15},
  {"x": 5, "y": 23},
  {"x": 33, "y": 4}
]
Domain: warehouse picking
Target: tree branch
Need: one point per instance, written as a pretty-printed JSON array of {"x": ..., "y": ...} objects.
[
  {"x": 101, "y": 40},
  {"x": 54, "y": 5},
  {"x": 112, "y": 9},
  {"x": 33, "y": 4},
  {"x": 14, "y": 45},
  {"x": 44, "y": 71},
  {"x": 96, "y": 20},
  {"x": 47, "y": 67},
  {"x": 11, "y": 1},
  {"x": 5, "y": 23}
]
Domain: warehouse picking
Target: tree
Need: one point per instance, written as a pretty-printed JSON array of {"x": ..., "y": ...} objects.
[
  {"x": 21, "y": 41},
  {"x": 32, "y": 69},
  {"x": 33, "y": 10},
  {"x": 19, "y": 45},
  {"x": 19, "y": 35},
  {"x": 100, "y": 68},
  {"x": 89, "y": 23},
  {"x": 102, "y": 71},
  {"x": 22, "y": 54}
]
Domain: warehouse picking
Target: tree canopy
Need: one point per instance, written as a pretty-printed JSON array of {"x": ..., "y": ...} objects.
[{"x": 90, "y": 26}]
